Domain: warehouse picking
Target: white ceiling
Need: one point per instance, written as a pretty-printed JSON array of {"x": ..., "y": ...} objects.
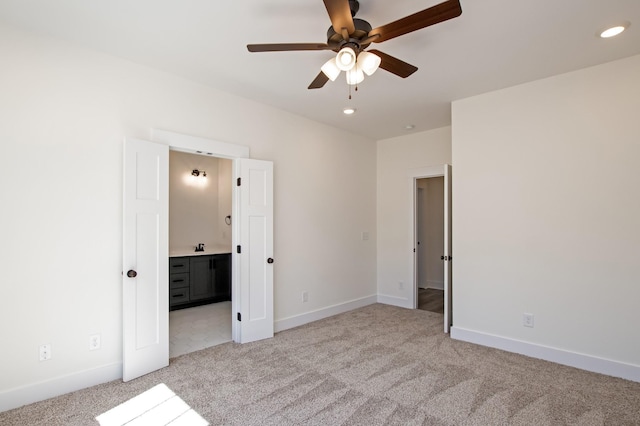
[{"x": 494, "y": 44}]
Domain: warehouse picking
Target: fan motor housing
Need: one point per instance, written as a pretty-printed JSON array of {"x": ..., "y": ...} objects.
[{"x": 362, "y": 29}]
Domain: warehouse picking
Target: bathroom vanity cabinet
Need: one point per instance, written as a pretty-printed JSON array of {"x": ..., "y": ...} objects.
[{"x": 199, "y": 279}]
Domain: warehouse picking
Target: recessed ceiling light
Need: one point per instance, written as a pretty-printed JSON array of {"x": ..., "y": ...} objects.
[
  {"x": 349, "y": 111},
  {"x": 615, "y": 30},
  {"x": 409, "y": 127}
]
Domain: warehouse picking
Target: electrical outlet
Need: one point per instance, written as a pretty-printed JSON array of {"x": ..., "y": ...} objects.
[
  {"x": 365, "y": 236},
  {"x": 527, "y": 320},
  {"x": 94, "y": 342},
  {"x": 400, "y": 285},
  {"x": 305, "y": 296},
  {"x": 45, "y": 352}
]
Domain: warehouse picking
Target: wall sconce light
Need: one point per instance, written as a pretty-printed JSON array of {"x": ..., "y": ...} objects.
[{"x": 197, "y": 173}]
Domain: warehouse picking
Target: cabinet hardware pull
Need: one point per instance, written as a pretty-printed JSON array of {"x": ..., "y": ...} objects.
[
  {"x": 178, "y": 281},
  {"x": 178, "y": 266},
  {"x": 178, "y": 295}
]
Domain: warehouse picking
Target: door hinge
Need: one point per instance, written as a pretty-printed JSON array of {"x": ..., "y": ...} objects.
[
  {"x": 238, "y": 249},
  {"x": 239, "y": 317},
  {"x": 239, "y": 181}
]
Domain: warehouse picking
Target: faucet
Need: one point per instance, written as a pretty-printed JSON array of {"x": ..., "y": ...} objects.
[{"x": 200, "y": 247}]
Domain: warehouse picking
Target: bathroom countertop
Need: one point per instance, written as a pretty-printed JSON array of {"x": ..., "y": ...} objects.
[{"x": 190, "y": 251}]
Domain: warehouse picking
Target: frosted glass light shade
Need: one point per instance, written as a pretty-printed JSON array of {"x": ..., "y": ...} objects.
[
  {"x": 330, "y": 69},
  {"x": 369, "y": 62},
  {"x": 355, "y": 76},
  {"x": 346, "y": 59}
]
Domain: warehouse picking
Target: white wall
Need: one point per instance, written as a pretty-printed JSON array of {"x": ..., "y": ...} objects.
[
  {"x": 195, "y": 203},
  {"x": 225, "y": 175},
  {"x": 398, "y": 159},
  {"x": 545, "y": 215},
  {"x": 65, "y": 112}
]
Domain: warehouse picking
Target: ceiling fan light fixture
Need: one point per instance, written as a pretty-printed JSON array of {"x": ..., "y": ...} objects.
[
  {"x": 346, "y": 59},
  {"x": 369, "y": 62},
  {"x": 330, "y": 69},
  {"x": 355, "y": 76}
]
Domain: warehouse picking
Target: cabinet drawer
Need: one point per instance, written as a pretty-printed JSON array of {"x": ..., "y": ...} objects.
[
  {"x": 178, "y": 295},
  {"x": 178, "y": 264},
  {"x": 179, "y": 280}
]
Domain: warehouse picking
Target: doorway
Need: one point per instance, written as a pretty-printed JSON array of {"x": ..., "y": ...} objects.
[
  {"x": 145, "y": 248},
  {"x": 200, "y": 314},
  {"x": 445, "y": 256},
  {"x": 430, "y": 243}
]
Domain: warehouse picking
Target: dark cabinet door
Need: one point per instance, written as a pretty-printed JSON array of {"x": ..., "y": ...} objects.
[
  {"x": 202, "y": 276},
  {"x": 223, "y": 276}
]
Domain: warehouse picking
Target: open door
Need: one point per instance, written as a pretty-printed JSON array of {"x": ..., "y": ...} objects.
[
  {"x": 252, "y": 256},
  {"x": 448, "y": 317},
  {"x": 145, "y": 258}
]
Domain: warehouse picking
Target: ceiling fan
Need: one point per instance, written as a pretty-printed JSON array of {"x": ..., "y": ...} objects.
[{"x": 349, "y": 37}]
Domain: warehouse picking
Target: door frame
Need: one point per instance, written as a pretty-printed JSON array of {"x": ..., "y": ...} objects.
[
  {"x": 414, "y": 175},
  {"x": 210, "y": 148}
]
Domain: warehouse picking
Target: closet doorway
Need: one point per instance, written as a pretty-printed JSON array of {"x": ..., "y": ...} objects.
[
  {"x": 431, "y": 254},
  {"x": 430, "y": 243}
]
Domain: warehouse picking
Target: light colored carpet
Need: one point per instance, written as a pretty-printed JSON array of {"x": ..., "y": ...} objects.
[{"x": 371, "y": 366}]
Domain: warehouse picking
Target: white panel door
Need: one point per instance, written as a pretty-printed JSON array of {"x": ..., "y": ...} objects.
[
  {"x": 145, "y": 258},
  {"x": 448, "y": 317},
  {"x": 253, "y": 251}
]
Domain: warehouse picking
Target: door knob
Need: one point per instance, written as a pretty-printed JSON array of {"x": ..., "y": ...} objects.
[
  {"x": 131, "y": 273},
  {"x": 269, "y": 260}
]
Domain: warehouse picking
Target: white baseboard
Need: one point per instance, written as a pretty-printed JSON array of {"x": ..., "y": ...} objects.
[
  {"x": 559, "y": 356},
  {"x": 401, "y": 302},
  {"x": 302, "y": 319},
  {"x": 23, "y": 395},
  {"x": 437, "y": 285}
]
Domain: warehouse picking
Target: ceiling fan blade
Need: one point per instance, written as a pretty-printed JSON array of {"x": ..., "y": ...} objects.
[
  {"x": 441, "y": 12},
  {"x": 285, "y": 47},
  {"x": 394, "y": 65},
  {"x": 340, "y": 15},
  {"x": 320, "y": 80}
]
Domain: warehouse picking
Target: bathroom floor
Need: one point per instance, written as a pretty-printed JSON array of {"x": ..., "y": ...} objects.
[{"x": 198, "y": 328}]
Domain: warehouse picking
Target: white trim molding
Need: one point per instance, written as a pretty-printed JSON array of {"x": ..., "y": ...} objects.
[
  {"x": 436, "y": 285},
  {"x": 302, "y": 319},
  {"x": 23, "y": 395},
  {"x": 191, "y": 144},
  {"x": 559, "y": 356},
  {"x": 401, "y": 302}
]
